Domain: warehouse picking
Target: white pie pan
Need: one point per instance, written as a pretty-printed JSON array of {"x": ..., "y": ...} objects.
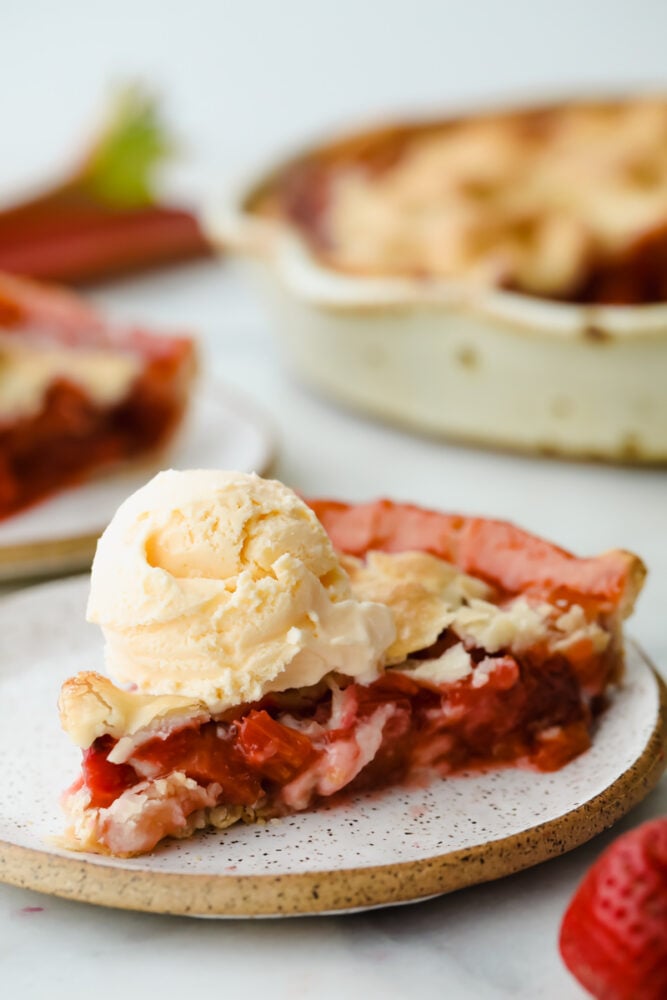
[{"x": 448, "y": 358}]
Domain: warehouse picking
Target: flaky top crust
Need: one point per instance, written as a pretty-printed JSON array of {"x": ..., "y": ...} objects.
[
  {"x": 567, "y": 201},
  {"x": 91, "y": 706}
]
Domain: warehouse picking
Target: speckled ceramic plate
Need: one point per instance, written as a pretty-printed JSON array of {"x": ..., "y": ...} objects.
[
  {"x": 224, "y": 430},
  {"x": 378, "y": 850}
]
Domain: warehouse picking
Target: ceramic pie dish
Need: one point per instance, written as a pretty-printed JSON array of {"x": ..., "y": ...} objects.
[{"x": 496, "y": 279}]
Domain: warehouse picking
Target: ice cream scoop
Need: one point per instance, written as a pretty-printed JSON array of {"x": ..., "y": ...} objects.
[{"x": 224, "y": 586}]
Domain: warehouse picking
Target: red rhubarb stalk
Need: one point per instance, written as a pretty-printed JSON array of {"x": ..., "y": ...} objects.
[{"x": 104, "y": 218}]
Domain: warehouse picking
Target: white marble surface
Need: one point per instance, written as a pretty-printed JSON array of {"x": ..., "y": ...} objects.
[{"x": 242, "y": 78}]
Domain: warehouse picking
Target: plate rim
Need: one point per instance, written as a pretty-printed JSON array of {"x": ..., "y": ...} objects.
[
  {"x": 342, "y": 890},
  {"x": 69, "y": 553}
]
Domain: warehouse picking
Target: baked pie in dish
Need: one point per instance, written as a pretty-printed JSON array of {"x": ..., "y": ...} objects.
[
  {"x": 500, "y": 278},
  {"x": 78, "y": 395},
  {"x": 271, "y": 655},
  {"x": 566, "y": 202}
]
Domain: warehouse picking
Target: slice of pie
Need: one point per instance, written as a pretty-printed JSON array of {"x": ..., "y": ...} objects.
[
  {"x": 269, "y": 665},
  {"x": 78, "y": 395}
]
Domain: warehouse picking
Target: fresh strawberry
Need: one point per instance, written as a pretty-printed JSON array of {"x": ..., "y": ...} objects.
[{"x": 614, "y": 933}]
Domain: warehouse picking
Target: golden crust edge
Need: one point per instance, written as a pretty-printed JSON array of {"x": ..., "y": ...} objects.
[{"x": 91, "y": 705}]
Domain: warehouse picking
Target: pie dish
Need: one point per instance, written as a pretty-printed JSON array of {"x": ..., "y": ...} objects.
[
  {"x": 499, "y": 278},
  {"x": 78, "y": 396},
  {"x": 431, "y": 644}
]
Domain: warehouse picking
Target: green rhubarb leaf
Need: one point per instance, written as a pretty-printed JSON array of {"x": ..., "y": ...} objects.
[{"x": 120, "y": 168}]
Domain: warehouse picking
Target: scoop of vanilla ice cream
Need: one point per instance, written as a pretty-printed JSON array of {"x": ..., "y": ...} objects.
[{"x": 224, "y": 586}]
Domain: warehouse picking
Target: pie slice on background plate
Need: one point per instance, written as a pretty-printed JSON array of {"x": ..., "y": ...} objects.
[
  {"x": 268, "y": 665},
  {"x": 77, "y": 395}
]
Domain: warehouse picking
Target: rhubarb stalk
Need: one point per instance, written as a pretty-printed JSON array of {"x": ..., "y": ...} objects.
[{"x": 104, "y": 218}]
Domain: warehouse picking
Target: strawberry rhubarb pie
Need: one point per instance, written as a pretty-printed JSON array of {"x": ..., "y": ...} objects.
[
  {"x": 270, "y": 654},
  {"x": 76, "y": 395},
  {"x": 566, "y": 201}
]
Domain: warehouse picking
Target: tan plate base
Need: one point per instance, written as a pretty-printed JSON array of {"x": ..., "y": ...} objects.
[
  {"x": 80, "y": 879},
  {"x": 59, "y": 556}
]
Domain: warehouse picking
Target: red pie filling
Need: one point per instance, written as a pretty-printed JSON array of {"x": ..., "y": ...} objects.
[
  {"x": 528, "y": 711},
  {"x": 71, "y": 436}
]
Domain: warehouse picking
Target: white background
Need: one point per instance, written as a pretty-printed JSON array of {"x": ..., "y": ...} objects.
[
  {"x": 241, "y": 80},
  {"x": 242, "y": 77}
]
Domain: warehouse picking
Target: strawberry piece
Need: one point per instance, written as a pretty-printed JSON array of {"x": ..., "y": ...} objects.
[
  {"x": 105, "y": 781},
  {"x": 614, "y": 933}
]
